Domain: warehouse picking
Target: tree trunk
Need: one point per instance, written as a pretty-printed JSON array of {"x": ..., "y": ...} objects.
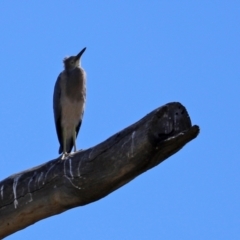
[{"x": 89, "y": 175}]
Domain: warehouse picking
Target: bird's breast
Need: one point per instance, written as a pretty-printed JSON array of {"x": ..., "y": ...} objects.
[
  {"x": 75, "y": 85},
  {"x": 73, "y": 97},
  {"x": 71, "y": 112}
]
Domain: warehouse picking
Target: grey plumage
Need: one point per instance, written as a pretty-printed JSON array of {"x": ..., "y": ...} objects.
[{"x": 68, "y": 102}]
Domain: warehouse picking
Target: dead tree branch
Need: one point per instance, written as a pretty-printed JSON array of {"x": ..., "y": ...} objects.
[{"x": 90, "y": 175}]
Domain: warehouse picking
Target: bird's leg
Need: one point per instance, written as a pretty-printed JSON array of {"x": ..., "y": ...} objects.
[
  {"x": 74, "y": 141},
  {"x": 64, "y": 144},
  {"x": 74, "y": 144}
]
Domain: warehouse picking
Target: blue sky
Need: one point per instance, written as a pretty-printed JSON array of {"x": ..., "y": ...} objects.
[{"x": 140, "y": 55}]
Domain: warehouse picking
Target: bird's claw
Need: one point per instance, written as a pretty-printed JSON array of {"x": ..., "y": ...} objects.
[{"x": 65, "y": 156}]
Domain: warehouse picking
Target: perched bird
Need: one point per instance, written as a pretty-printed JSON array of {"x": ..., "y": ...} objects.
[{"x": 69, "y": 99}]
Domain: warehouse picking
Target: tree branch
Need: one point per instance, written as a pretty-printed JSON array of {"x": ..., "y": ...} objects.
[{"x": 90, "y": 175}]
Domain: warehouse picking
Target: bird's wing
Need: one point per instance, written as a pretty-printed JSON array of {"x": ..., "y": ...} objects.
[
  {"x": 79, "y": 124},
  {"x": 81, "y": 75},
  {"x": 57, "y": 109}
]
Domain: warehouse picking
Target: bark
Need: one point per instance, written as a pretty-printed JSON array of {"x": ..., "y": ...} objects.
[{"x": 89, "y": 175}]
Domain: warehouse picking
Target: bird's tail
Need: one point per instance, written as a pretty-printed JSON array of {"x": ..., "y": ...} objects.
[{"x": 60, "y": 149}]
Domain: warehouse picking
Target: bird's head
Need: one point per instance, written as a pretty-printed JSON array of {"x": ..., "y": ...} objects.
[{"x": 70, "y": 63}]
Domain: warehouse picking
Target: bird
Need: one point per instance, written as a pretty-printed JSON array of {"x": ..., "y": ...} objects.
[{"x": 69, "y": 98}]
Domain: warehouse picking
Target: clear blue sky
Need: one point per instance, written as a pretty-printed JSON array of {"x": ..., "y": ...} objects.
[{"x": 140, "y": 55}]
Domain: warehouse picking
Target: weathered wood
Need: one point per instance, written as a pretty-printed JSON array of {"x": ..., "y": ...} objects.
[{"x": 89, "y": 175}]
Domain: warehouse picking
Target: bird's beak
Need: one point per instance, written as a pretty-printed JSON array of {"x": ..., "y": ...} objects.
[{"x": 80, "y": 54}]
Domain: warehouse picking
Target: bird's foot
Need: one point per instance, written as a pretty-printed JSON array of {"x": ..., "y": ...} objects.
[{"x": 65, "y": 156}]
